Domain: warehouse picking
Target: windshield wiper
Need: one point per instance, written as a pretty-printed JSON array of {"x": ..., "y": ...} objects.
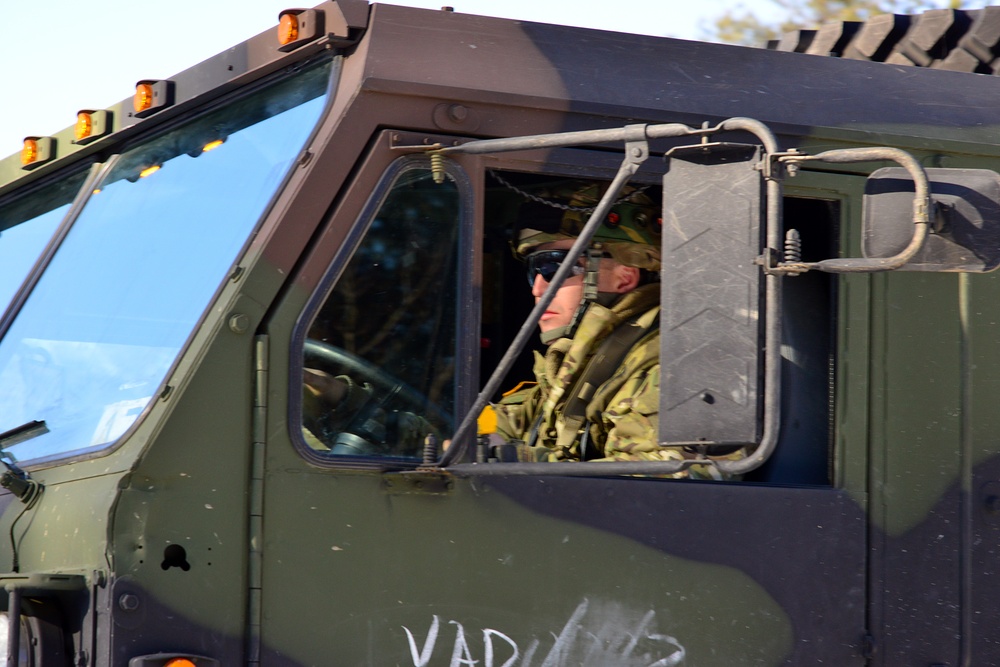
[
  {"x": 24, "y": 432},
  {"x": 14, "y": 479}
]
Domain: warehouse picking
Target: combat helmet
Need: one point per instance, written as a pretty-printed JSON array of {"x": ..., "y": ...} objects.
[{"x": 630, "y": 233}]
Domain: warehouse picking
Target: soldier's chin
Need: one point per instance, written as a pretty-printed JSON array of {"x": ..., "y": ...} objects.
[{"x": 552, "y": 332}]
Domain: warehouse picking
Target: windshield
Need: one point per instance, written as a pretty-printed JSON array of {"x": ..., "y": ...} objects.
[
  {"x": 123, "y": 292},
  {"x": 26, "y": 225}
]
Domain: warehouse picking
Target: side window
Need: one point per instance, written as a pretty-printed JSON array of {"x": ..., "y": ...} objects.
[{"x": 380, "y": 352}]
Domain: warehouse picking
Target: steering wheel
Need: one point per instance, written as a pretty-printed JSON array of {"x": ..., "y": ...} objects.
[{"x": 386, "y": 389}]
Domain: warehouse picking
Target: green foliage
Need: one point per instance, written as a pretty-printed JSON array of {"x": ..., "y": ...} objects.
[{"x": 741, "y": 26}]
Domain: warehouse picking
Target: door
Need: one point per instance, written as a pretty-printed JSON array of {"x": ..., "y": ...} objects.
[{"x": 402, "y": 307}]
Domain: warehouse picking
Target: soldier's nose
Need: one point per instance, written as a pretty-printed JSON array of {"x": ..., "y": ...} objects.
[{"x": 538, "y": 287}]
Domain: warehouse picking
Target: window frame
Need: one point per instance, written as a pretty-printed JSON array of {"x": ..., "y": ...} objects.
[
  {"x": 587, "y": 162},
  {"x": 576, "y": 162},
  {"x": 468, "y": 295}
]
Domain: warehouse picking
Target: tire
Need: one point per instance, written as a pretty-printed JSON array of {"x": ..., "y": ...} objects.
[{"x": 949, "y": 39}]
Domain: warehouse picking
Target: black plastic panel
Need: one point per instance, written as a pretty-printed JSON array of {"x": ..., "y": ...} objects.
[{"x": 709, "y": 350}]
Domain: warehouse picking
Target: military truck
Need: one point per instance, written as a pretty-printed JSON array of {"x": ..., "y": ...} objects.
[{"x": 337, "y": 194}]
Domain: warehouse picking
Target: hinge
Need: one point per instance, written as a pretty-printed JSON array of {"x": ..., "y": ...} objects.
[{"x": 255, "y": 518}]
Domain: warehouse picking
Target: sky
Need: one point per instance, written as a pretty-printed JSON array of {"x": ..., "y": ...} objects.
[{"x": 77, "y": 55}]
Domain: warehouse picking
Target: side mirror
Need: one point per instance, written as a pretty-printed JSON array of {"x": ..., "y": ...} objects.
[{"x": 965, "y": 228}]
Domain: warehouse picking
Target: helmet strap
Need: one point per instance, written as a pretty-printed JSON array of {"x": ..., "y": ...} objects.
[
  {"x": 590, "y": 295},
  {"x": 594, "y": 255},
  {"x": 593, "y": 270}
]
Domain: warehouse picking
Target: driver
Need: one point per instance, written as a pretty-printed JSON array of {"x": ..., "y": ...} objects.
[{"x": 596, "y": 394}]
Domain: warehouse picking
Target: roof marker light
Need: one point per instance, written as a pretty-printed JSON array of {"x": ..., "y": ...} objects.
[
  {"x": 151, "y": 95},
  {"x": 297, "y": 27},
  {"x": 29, "y": 153},
  {"x": 37, "y": 151},
  {"x": 288, "y": 28},
  {"x": 84, "y": 126},
  {"x": 149, "y": 171},
  {"x": 143, "y": 99},
  {"x": 91, "y": 124},
  {"x": 180, "y": 662},
  {"x": 173, "y": 660}
]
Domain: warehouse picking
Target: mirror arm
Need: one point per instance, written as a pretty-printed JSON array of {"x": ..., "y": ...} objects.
[{"x": 922, "y": 214}]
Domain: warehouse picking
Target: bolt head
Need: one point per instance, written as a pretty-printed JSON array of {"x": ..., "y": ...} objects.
[
  {"x": 239, "y": 323},
  {"x": 128, "y": 602}
]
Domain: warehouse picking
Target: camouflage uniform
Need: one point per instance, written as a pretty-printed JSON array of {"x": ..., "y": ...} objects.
[{"x": 622, "y": 413}]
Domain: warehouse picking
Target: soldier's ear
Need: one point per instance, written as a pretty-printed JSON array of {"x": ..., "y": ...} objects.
[{"x": 626, "y": 278}]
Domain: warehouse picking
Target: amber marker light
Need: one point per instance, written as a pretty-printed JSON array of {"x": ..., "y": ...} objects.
[
  {"x": 149, "y": 171},
  {"x": 179, "y": 662},
  {"x": 30, "y": 152},
  {"x": 297, "y": 27},
  {"x": 152, "y": 95},
  {"x": 143, "y": 98},
  {"x": 37, "y": 151},
  {"x": 288, "y": 28},
  {"x": 91, "y": 124},
  {"x": 212, "y": 145},
  {"x": 84, "y": 126}
]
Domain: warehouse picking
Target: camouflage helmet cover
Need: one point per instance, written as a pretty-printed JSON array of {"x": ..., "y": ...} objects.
[{"x": 630, "y": 233}]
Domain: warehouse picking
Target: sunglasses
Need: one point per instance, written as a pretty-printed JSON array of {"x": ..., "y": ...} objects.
[{"x": 545, "y": 263}]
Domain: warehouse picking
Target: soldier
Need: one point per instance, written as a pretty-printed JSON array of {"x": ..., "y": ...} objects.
[{"x": 596, "y": 395}]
